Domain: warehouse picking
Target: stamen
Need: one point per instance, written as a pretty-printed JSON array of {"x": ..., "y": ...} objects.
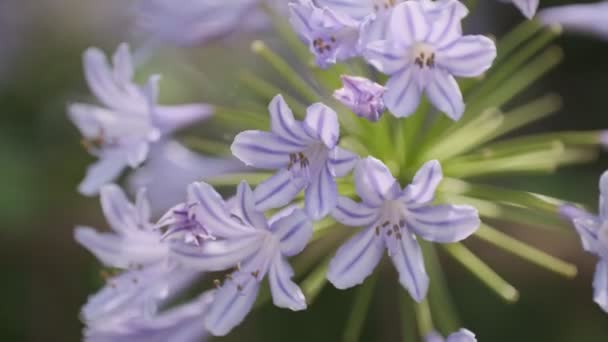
[
  {"x": 217, "y": 283},
  {"x": 255, "y": 274}
]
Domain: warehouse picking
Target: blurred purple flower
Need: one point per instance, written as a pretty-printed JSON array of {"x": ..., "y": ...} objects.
[
  {"x": 332, "y": 36},
  {"x": 121, "y": 133},
  {"x": 254, "y": 245},
  {"x": 195, "y": 22},
  {"x": 463, "y": 335},
  {"x": 391, "y": 218},
  {"x": 148, "y": 278},
  {"x": 594, "y": 235},
  {"x": 306, "y": 153},
  {"x": 182, "y": 324},
  {"x": 590, "y": 18},
  {"x": 171, "y": 167},
  {"x": 424, "y": 53},
  {"x": 362, "y": 96}
]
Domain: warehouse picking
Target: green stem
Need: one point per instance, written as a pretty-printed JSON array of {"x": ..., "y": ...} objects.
[
  {"x": 512, "y": 40},
  {"x": 268, "y": 91},
  {"x": 525, "y": 251},
  {"x": 314, "y": 282},
  {"x": 408, "y": 321},
  {"x": 444, "y": 312},
  {"x": 482, "y": 271},
  {"x": 363, "y": 299},
  {"x": 285, "y": 70},
  {"x": 424, "y": 319}
]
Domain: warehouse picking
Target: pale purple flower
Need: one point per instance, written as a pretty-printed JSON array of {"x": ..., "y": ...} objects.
[
  {"x": 254, "y": 245},
  {"x": 527, "y": 7},
  {"x": 181, "y": 323},
  {"x": 306, "y": 153},
  {"x": 424, "y": 54},
  {"x": 195, "y": 22},
  {"x": 332, "y": 37},
  {"x": 462, "y": 335},
  {"x": 391, "y": 218},
  {"x": 373, "y": 15},
  {"x": 594, "y": 235},
  {"x": 148, "y": 278},
  {"x": 121, "y": 132},
  {"x": 171, "y": 167},
  {"x": 362, "y": 96},
  {"x": 589, "y": 18}
]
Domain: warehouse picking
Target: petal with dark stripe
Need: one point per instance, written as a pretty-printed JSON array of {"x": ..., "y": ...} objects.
[
  {"x": 342, "y": 161},
  {"x": 409, "y": 262},
  {"x": 356, "y": 259},
  {"x": 469, "y": 56},
  {"x": 423, "y": 187},
  {"x": 216, "y": 255},
  {"x": 444, "y": 223},
  {"x": 245, "y": 207},
  {"x": 283, "y": 123},
  {"x": 285, "y": 293},
  {"x": 293, "y": 230},
  {"x": 443, "y": 92},
  {"x": 231, "y": 304},
  {"x": 278, "y": 190},
  {"x": 375, "y": 182},
  {"x": 321, "y": 122},
  {"x": 263, "y": 150},
  {"x": 353, "y": 214},
  {"x": 321, "y": 194},
  {"x": 403, "y": 92}
]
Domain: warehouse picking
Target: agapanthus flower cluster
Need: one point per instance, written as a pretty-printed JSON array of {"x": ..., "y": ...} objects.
[{"x": 321, "y": 161}]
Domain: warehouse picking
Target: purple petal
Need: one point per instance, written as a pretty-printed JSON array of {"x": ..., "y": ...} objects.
[
  {"x": 443, "y": 92},
  {"x": 356, "y": 259},
  {"x": 321, "y": 122},
  {"x": 123, "y": 64},
  {"x": 446, "y": 17},
  {"x": 111, "y": 92},
  {"x": 285, "y": 293},
  {"x": 104, "y": 171},
  {"x": 386, "y": 56},
  {"x": 604, "y": 196},
  {"x": 211, "y": 211},
  {"x": 294, "y": 230},
  {"x": 588, "y": 229},
  {"x": 469, "y": 56},
  {"x": 409, "y": 23},
  {"x": 444, "y": 223},
  {"x": 171, "y": 118},
  {"x": 263, "y": 150},
  {"x": 245, "y": 207},
  {"x": 278, "y": 190},
  {"x": 463, "y": 335},
  {"x": 425, "y": 182},
  {"x": 232, "y": 303},
  {"x": 321, "y": 194},
  {"x": 342, "y": 161},
  {"x": 600, "y": 285},
  {"x": 374, "y": 182},
  {"x": 587, "y": 18},
  {"x": 353, "y": 214},
  {"x": 403, "y": 92},
  {"x": 118, "y": 210},
  {"x": 409, "y": 262},
  {"x": 143, "y": 207},
  {"x": 353, "y": 8},
  {"x": 216, "y": 255},
  {"x": 137, "y": 153},
  {"x": 283, "y": 123}
]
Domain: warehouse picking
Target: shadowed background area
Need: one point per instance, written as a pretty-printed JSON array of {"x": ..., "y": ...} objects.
[{"x": 46, "y": 276}]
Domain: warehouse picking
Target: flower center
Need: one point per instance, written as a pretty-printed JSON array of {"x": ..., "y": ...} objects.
[
  {"x": 187, "y": 225},
  {"x": 391, "y": 221},
  {"x": 324, "y": 44},
  {"x": 308, "y": 162},
  {"x": 383, "y": 5},
  {"x": 423, "y": 55}
]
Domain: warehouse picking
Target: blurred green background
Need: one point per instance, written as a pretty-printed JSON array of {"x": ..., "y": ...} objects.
[{"x": 45, "y": 277}]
